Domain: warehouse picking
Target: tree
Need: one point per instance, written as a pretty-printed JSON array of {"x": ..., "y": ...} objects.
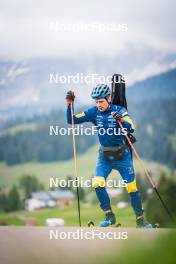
[
  {"x": 3, "y": 201},
  {"x": 154, "y": 210},
  {"x": 29, "y": 183},
  {"x": 81, "y": 193},
  {"x": 13, "y": 200}
]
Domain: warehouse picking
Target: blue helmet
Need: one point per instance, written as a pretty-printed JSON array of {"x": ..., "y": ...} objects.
[{"x": 100, "y": 91}]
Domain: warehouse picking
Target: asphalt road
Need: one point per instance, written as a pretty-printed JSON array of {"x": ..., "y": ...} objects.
[{"x": 30, "y": 245}]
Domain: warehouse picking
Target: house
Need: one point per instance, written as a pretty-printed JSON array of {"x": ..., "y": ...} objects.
[
  {"x": 50, "y": 199},
  {"x": 62, "y": 198}
]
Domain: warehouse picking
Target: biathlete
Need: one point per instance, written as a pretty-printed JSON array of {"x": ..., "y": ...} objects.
[{"x": 114, "y": 152}]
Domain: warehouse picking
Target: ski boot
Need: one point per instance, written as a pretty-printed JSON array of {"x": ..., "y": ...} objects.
[
  {"x": 142, "y": 223},
  {"x": 110, "y": 219}
]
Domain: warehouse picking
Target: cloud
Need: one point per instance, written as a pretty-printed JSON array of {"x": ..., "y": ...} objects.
[
  {"x": 15, "y": 71},
  {"x": 150, "y": 69},
  {"x": 25, "y": 27}
]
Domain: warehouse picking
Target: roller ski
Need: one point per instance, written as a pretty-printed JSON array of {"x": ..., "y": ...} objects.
[
  {"x": 142, "y": 223},
  {"x": 110, "y": 219}
]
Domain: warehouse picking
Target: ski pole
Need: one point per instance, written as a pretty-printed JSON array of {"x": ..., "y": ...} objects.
[
  {"x": 75, "y": 163},
  {"x": 147, "y": 174}
]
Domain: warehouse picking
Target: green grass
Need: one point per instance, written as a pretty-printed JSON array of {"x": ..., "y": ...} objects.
[
  {"x": 10, "y": 219},
  {"x": 10, "y": 175},
  {"x": 140, "y": 250},
  {"x": 69, "y": 214}
]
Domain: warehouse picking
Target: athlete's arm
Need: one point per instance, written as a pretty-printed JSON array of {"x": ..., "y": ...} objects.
[
  {"x": 78, "y": 118},
  {"x": 86, "y": 116},
  {"x": 127, "y": 121},
  {"x": 123, "y": 116}
]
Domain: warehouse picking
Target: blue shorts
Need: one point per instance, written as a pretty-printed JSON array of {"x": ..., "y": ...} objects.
[{"x": 124, "y": 166}]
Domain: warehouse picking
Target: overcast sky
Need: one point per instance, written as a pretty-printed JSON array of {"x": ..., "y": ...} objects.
[
  {"x": 25, "y": 27},
  {"x": 146, "y": 48}
]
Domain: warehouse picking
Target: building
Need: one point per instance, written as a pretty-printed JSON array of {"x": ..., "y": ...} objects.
[{"x": 50, "y": 199}]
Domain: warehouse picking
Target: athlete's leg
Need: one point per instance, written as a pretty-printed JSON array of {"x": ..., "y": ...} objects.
[
  {"x": 125, "y": 168},
  {"x": 103, "y": 169}
]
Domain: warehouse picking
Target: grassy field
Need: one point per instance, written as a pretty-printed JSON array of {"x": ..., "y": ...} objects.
[
  {"x": 28, "y": 244},
  {"x": 69, "y": 214},
  {"x": 10, "y": 175}
]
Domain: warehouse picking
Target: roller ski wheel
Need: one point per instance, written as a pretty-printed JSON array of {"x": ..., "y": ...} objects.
[
  {"x": 90, "y": 223},
  {"x": 156, "y": 225},
  {"x": 118, "y": 225}
]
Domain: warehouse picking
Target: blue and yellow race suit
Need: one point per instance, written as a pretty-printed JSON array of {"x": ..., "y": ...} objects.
[{"x": 103, "y": 167}]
